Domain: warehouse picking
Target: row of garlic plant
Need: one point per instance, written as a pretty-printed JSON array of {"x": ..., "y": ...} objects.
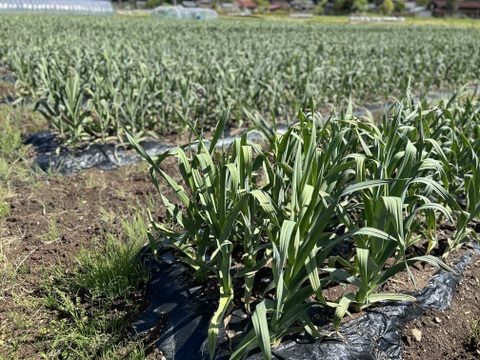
[
  {"x": 285, "y": 204},
  {"x": 89, "y": 75}
]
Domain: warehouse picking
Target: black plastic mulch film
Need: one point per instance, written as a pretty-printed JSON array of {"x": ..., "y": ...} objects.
[
  {"x": 181, "y": 317},
  {"x": 105, "y": 157}
]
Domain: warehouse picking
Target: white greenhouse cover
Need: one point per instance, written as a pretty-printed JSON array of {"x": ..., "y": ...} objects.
[
  {"x": 92, "y": 7},
  {"x": 180, "y": 12}
]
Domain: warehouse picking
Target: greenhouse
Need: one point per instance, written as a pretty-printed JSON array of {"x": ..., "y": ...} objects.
[
  {"x": 180, "y": 12},
  {"x": 80, "y": 7}
]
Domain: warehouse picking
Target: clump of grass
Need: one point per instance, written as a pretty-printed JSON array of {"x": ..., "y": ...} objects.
[
  {"x": 4, "y": 205},
  {"x": 14, "y": 162},
  {"x": 111, "y": 273},
  {"x": 10, "y": 137},
  {"x": 13, "y": 154},
  {"x": 10, "y": 142},
  {"x": 85, "y": 330},
  {"x": 474, "y": 336},
  {"x": 116, "y": 270},
  {"x": 95, "y": 303},
  {"x": 53, "y": 233}
]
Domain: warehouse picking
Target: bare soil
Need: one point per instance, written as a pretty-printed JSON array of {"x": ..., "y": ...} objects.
[
  {"x": 80, "y": 206},
  {"x": 445, "y": 334}
]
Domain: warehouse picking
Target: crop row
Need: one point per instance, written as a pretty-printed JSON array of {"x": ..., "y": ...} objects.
[
  {"x": 88, "y": 75},
  {"x": 375, "y": 194}
]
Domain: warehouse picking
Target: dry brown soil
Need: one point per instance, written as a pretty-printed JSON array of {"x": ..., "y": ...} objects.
[
  {"x": 82, "y": 207},
  {"x": 445, "y": 334}
]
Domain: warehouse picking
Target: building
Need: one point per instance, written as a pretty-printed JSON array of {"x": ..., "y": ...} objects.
[
  {"x": 246, "y": 5},
  {"x": 442, "y": 8}
]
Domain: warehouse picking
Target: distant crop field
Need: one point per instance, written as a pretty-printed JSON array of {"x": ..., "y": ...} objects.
[{"x": 88, "y": 75}]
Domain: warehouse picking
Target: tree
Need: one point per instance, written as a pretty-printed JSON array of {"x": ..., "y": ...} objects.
[
  {"x": 423, "y": 2},
  {"x": 360, "y": 5},
  {"x": 387, "y": 7},
  {"x": 262, "y": 4},
  {"x": 319, "y": 7},
  {"x": 452, "y": 6},
  {"x": 350, "y": 5},
  {"x": 153, "y": 3},
  {"x": 339, "y": 5},
  {"x": 400, "y": 7}
]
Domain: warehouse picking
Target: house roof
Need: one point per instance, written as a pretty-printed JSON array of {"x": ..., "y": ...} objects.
[
  {"x": 461, "y": 4},
  {"x": 229, "y": 6},
  {"x": 189, "y": 4},
  {"x": 303, "y": 4},
  {"x": 249, "y": 4},
  {"x": 279, "y": 5}
]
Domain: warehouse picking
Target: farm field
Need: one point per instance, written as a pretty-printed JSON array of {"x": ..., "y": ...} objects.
[
  {"x": 341, "y": 212},
  {"x": 151, "y": 75}
]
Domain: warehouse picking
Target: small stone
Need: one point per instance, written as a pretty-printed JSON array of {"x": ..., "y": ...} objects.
[
  {"x": 231, "y": 333},
  {"x": 417, "y": 335},
  {"x": 438, "y": 320}
]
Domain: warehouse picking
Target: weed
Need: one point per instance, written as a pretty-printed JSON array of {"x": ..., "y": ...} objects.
[
  {"x": 474, "y": 336},
  {"x": 4, "y": 204},
  {"x": 10, "y": 143},
  {"x": 112, "y": 272},
  {"x": 92, "y": 302},
  {"x": 4, "y": 209},
  {"x": 53, "y": 233},
  {"x": 14, "y": 163},
  {"x": 10, "y": 137},
  {"x": 83, "y": 330},
  {"x": 20, "y": 330},
  {"x": 117, "y": 269}
]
